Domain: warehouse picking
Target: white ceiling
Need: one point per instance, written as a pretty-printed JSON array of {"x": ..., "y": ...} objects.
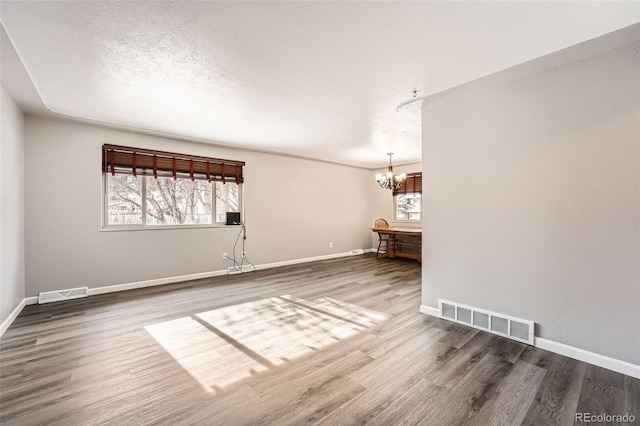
[{"x": 312, "y": 79}]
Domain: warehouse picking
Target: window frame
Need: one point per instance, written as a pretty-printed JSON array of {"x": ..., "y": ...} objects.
[
  {"x": 105, "y": 226},
  {"x": 395, "y": 207},
  {"x": 413, "y": 181}
]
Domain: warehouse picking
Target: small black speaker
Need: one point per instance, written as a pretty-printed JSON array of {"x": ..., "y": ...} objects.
[{"x": 233, "y": 218}]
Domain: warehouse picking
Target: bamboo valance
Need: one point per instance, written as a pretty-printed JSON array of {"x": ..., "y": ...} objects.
[
  {"x": 123, "y": 159},
  {"x": 412, "y": 184}
]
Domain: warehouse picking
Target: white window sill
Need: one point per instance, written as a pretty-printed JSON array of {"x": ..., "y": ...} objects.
[{"x": 113, "y": 228}]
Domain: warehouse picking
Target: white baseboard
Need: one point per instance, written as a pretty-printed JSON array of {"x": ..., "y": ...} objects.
[
  {"x": 603, "y": 361},
  {"x": 201, "y": 275},
  {"x": 12, "y": 316},
  {"x": 303, "y": 260},
  {"x": 158, "y": 281},
  {"x": 31, "y": 300},
  {"x": 434, "y": 312}
]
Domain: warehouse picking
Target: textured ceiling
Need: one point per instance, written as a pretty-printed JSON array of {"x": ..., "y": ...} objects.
[{"x": 312, "y": 79}]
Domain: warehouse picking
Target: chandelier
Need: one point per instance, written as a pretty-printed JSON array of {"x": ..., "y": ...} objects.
[{"x": 389, "y": 180}]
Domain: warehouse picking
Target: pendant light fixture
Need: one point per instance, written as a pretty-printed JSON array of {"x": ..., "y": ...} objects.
[{"x": 390, "y": 180}]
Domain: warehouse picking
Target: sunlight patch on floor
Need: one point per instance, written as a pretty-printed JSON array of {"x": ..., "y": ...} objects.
[
  {"x": 226, "y": 345},
  {"x": 211, "y": 360}
]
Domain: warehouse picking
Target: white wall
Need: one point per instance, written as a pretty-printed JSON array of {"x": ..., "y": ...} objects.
[
  {"x": 294, "y": 209},
  {"x": 532, "y": 202},
  {"x": 12, "y": 269}
]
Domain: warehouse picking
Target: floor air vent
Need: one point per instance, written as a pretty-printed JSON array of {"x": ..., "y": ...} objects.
[
  {"x": 58, "y": 295},
  {"x": 503, "y": 325}
]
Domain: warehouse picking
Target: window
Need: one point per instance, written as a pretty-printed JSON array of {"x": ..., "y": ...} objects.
[
  {"x": 407, "y": 200},
  {"x": 145, "y": 188}
]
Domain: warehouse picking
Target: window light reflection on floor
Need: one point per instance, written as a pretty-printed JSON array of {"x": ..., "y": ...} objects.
[{"x": 223, "y": 346}]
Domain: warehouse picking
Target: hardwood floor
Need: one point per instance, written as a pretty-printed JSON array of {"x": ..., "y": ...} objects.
[{"x": 337, "y": 342}]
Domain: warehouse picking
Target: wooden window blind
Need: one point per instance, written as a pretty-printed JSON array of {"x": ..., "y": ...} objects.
[
  {"x": 127, "y": 160},
  {"x": 413, "y": 184}
]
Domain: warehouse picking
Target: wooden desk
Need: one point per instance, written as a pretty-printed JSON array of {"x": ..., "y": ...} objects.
[{"x": 399, "y": 247}]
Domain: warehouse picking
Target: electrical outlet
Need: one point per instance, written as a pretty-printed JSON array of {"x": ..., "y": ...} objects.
[
  {"x": 224, "y": 256},
  {"x": 330, "y": 245}
]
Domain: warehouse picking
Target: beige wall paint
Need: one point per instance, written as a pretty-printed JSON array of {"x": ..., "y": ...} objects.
[
  {"x": 533, "y": 202},
  {"x": 322, "y": 203},
  {"x": 12, "y": 269}
]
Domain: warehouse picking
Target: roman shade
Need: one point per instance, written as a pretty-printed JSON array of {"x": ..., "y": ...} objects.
[{"x": 128, "y": 160}]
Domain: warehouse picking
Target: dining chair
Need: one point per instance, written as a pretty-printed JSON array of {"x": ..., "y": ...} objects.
[{"x": 383, "y": 239}]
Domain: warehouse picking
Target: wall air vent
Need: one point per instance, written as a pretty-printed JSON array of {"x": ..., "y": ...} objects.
[
  {"x": 502, "y": 325},
  {"x": 357, "y": 252},
  {"x": 240, "y": 270},
  {"x": 58, "y": 295}
]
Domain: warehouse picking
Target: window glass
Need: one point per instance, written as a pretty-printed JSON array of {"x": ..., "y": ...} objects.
[
  {"x": 227, "y": 200},
  {"x": 178, "y": 202},
  {"x": 124, "y": 200},
  {"x": 407, "y": 207}
]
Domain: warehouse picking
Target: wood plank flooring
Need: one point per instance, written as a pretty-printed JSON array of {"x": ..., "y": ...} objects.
[{"x": 336, "y": 342}]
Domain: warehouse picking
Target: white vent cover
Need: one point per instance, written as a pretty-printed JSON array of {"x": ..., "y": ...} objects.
[
  {"x": 503, "y": 325},
  {"x": 58, "y": 295},
  {"x": 357, "y": 252},
  {"x": 237, "y": 270}
]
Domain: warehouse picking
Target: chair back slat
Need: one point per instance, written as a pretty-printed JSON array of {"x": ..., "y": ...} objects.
[{"x": 381, "y": 223}]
